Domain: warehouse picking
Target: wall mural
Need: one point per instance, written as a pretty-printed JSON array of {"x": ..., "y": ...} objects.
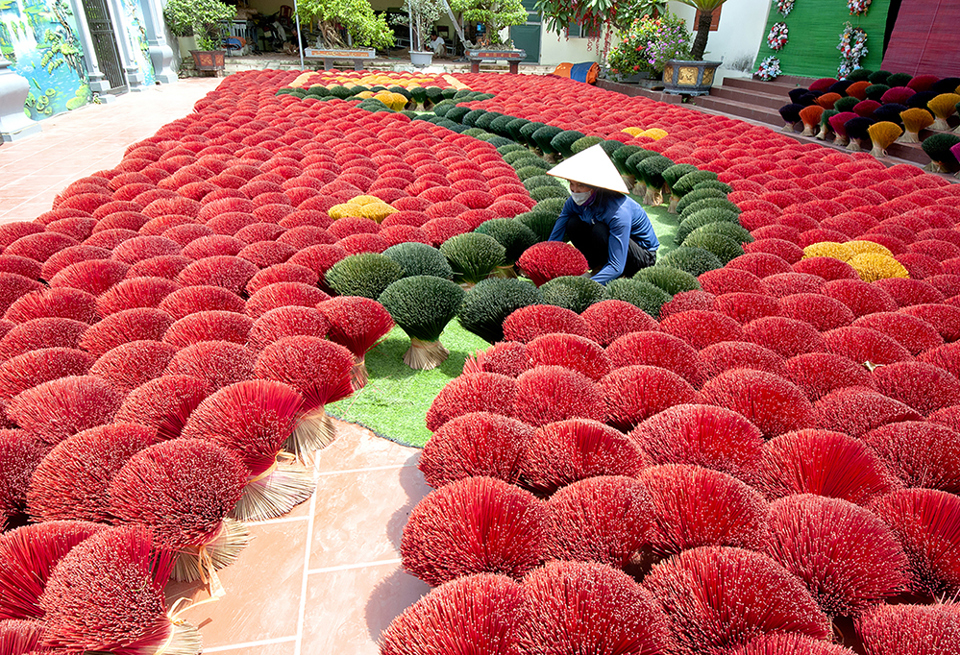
[
  {"x": 40, "y": 37},
  {"x": 137, "y": 38}
]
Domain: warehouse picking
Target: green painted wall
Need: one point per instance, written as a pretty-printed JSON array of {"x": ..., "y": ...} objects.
[{"x": 815, "y": 27}]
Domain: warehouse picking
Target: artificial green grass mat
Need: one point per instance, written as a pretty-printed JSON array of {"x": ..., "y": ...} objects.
[
  {"x": 396, "y": 398},
  {"x": 665, "y": 226}
]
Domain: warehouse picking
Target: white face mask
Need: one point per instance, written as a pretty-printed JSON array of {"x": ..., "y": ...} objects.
[{"x": 581, "y": 198}]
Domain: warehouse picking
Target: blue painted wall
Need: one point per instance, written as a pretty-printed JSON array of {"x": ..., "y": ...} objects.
[{"x": 40, "y": 37}]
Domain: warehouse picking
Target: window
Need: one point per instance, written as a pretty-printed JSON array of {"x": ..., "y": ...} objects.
[{"x": 577, "y": 31}]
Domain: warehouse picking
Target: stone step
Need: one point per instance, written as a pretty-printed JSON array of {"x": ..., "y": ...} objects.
[
  {"x": 747, "y": 110},
  {"x": 746, "y": 96},
  {"x": 776, "y": 87}
]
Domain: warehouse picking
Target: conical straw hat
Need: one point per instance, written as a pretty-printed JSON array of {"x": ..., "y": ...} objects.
[{"x": 593, "y": 167}]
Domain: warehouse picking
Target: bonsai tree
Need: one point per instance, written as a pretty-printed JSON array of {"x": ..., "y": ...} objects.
[
  {"x": 420, "y": 16},
  {"x": 706, "y": 9},
  {"x": 494, "y": 14},
  {"x": 591, "y": 15},
  {"x": 355, "y": 16},
  {"x": 199, "y": 18}
]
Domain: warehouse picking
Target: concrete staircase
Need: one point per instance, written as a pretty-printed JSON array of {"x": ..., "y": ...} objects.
[{"x": 759, "y": 102}]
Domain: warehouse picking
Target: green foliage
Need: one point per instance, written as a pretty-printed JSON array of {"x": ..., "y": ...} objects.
[
  {"x": 420, "y": 259},
  {"x": 544, "y": 192},
  {"x": 685, "y": 184},
  {"x": 669, "y": 278},
  {"x": 514, "y": 236},
  {"x": 558, "y": 15},
  {"x": 563, "y": 142},
  {"x": 196, "y": 17},
  {"x": 648, "y": 297},
  {"x": 356, "y": 16},
  {"x": 367, "y": 275},
  {"x": 720, "y": 245},
  {"x": 698, "y": 194},
  {"x": 544, "y": 136},
  {"x": 651, "y": 169},
  {"x": 694, "y": 261},
  {"x": 648, "y": 43},
  {"x": 701, "y": 218},
  {"x": 673, "y": 174},
  {"x": 473, "y": 256},
  {"x": 422, "y": 305},
  {"x": 709, "y": 203},
  {"x": 732, "y": 230},
  {"x": 540, "y": 223},
  {"x": 495, "y": 16},
  {"x": 574, "y": 292},
  {"x": 488, "y": 304},
  {"x": 632, "y": 162}
]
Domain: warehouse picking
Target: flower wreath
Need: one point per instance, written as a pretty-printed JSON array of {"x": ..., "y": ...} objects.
[
  {"x": 777, "y": 38},
  {"x": 786, "y": 6},
  {"x": 853, "y": 48},
  {"x": 769, "y": 69},
  {"x": 858, "y": 7}
]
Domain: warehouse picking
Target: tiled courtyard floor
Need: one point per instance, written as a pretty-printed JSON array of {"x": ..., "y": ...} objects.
[{"x": 326, "y": 579}]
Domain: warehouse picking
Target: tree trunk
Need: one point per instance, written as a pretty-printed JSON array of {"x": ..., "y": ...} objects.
[{"x": 703, "y": 32}]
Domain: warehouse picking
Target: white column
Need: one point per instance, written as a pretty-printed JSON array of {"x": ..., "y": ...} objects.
[
  {"x": 161, "y": 54},
  {"x": 14, "y": 124},
  {"x": 135, "y": 80}
]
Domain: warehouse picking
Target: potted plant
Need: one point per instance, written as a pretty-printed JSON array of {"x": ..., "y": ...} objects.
[
  {"x": 205, "y": 21},
  {"x": 356, "y": 17},
  {"x": 647, "y": 45},
  {"x": 421, "y": 16},
  {"x": 694, "y": 76}
]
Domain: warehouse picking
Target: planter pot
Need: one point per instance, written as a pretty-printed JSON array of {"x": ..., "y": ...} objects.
[
  {"x": 209, "y": 60},
  {"x": 420, "y": 58},
  {"x": 636, "y": 78},
  {"x": 692, "y": 78}
]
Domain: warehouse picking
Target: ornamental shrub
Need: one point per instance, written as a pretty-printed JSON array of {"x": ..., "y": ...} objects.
[
  {"x": 573, "y": 292},
  {"x": 648, "y": 44},
  {"x": 366, "y": 275},
  {"x": 648, "y": 297},
  {"x": 490, "y": 302},
  {"x": 420, "y": 259}
]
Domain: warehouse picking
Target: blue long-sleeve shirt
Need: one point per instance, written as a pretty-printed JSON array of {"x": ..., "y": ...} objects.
[{"x": 623, "y": 217}]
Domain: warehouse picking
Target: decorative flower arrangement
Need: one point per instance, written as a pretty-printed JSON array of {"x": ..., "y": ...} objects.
[
  {"x": 769, "y": 69},
  {"x": 786, "y": 6},
  {"x": 649, "y": 44},
  {"x": 858, "y": 7},
  {"x": 777, "y": 38},
  {"x": 852, "y": 47}
]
